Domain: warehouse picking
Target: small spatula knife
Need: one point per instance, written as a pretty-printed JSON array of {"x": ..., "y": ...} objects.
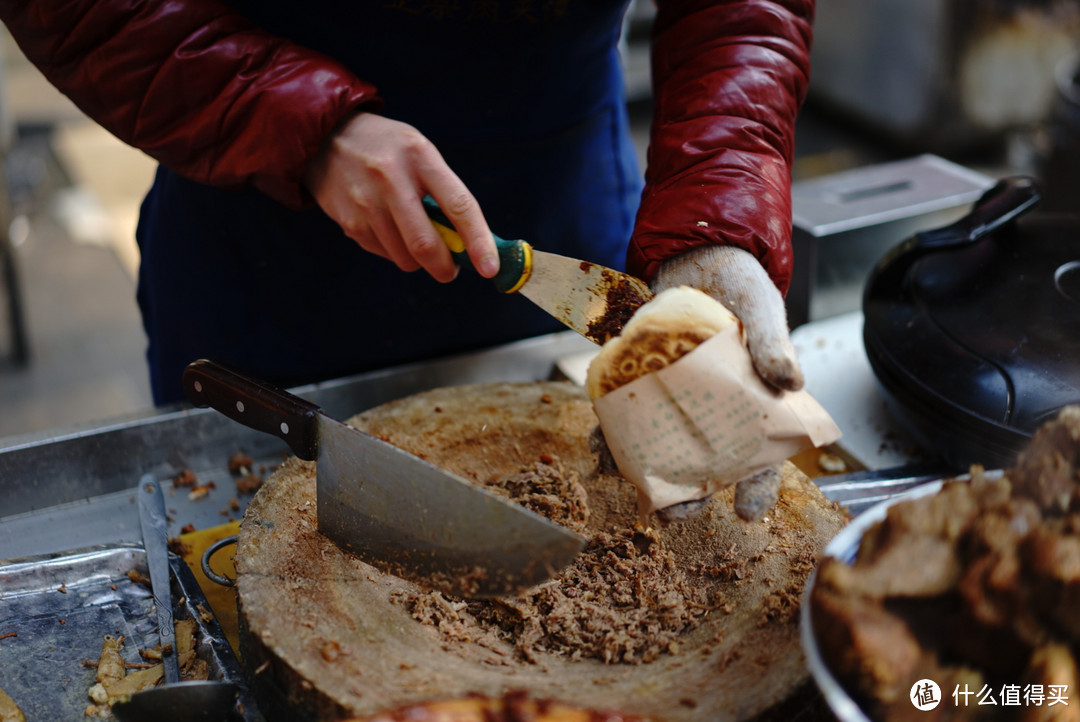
[{"x": 593, "y": 300}]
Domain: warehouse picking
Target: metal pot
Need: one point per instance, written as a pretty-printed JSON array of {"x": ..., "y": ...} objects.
[{"x": 973, "y": 330}]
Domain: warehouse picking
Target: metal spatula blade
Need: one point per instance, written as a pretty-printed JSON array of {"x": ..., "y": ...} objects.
[
  {"x": 156, "y": 541},
  {"x": 391, "y": 508},
  {"x": 593, "y": 300},
  {"x": 195, "y": 701}
]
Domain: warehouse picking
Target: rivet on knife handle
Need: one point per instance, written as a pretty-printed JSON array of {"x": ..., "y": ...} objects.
[
  {"x": 258, "y": 406},
  {"x": 515, "y": 257}
]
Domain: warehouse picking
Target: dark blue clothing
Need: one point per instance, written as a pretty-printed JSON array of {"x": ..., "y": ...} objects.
[{"x": 524, "y": 100}]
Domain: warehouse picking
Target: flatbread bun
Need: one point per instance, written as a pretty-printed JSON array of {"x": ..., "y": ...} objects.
[{"x": 662, "y": 331}]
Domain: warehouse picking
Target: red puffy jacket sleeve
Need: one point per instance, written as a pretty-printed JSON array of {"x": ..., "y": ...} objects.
[
  {"x": 193, "y": 84},
  {"x": 729, "y": 77}
]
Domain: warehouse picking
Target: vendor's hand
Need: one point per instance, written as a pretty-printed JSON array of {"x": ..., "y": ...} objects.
[
  {"x": 736, "y": 279},
  {"x": 370, "y": 176},
  {"x": 754, "y": 496}
]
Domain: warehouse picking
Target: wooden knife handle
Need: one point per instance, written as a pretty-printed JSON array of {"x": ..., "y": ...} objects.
[
  {"x": 515, "y": 257},
  {"x": 255, "y": 404}
]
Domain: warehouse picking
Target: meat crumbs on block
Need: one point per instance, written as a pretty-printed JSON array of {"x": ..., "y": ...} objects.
[
  {"x": 506, "y": 433},
  {"x": 623, "y": 600}
]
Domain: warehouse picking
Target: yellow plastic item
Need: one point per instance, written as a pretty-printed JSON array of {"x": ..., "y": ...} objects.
[{"x": 222, "y": 600}]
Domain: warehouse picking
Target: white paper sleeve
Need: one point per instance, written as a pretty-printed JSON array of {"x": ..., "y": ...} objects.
[{"x": 704, "y": 423}]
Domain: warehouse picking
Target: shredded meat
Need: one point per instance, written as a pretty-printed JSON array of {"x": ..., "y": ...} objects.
[
  {"x": 977, "y": 585},
  {"x": 623, "y": 600},
  {"x": 547, "y": 490}
]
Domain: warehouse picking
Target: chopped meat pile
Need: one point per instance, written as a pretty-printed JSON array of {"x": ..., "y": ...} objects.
[
  {"x": 547, "y": 490},
  {"x": 976, "y": 588},
  {"x": 622, "y": 601}
]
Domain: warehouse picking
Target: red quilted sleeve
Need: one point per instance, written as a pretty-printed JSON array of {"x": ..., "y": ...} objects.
[
  {"x": 192, "y": 84},
  {"x": 729, "y": 77}
]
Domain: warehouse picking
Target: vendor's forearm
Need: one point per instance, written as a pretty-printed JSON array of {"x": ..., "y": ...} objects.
[
  {"x": 729, "y": 79},
  {"x": 193, "y": 84}
]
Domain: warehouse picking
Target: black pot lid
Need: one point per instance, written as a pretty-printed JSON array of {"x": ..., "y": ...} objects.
[{"x": 973, "y": 331}]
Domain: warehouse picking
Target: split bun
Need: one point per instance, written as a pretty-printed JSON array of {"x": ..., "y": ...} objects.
[{"x": 661, "y": 332}]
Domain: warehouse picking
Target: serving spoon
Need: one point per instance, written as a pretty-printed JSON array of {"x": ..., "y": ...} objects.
[{"x": 174, "y": 700}]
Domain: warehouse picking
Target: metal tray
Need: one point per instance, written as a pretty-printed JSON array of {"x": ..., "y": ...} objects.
[{"x": 58, "y": 607}]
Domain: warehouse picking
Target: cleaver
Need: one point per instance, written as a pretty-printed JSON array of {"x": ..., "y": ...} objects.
[
  {"x": 393, "y": 509},
  {"x": 593, "y": 300}
]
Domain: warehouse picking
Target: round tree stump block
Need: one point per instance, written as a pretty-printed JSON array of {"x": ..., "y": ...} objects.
[{"x": 325, "y": 636}]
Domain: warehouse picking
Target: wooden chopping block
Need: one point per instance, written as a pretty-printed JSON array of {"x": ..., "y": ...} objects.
[{"x": 324, "y": 639}]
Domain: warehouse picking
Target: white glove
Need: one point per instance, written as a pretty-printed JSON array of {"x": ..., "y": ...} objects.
[{"x": 736, "y": 279}]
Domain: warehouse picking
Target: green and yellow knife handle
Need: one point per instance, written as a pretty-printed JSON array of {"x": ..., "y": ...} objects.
[{"x": 515, "y": 257}]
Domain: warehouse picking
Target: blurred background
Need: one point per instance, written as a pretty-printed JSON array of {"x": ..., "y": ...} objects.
[{"x": 988, "y": 85}]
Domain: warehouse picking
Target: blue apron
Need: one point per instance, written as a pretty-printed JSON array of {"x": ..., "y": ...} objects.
[{"x": 524, "y": 100}]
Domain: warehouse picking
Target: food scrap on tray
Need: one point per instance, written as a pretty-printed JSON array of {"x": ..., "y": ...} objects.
[
  {"x": 241, "y": 467},
  {"x": 117, "y": 679},
  {"x": 976, "y": 588}
]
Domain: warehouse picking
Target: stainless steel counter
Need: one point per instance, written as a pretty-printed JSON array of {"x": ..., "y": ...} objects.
[{"x": 72, "y": 489}]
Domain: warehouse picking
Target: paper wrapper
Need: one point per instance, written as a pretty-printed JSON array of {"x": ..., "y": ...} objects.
[{"x": 704, "y": 423}]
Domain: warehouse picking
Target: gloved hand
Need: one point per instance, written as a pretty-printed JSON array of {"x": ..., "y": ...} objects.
[
  {"x": 370, "y": 176},
  {"x": 736, "y": 279}
]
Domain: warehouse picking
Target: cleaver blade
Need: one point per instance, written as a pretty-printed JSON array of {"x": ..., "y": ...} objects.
[{"x": 392, "y": 509}]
